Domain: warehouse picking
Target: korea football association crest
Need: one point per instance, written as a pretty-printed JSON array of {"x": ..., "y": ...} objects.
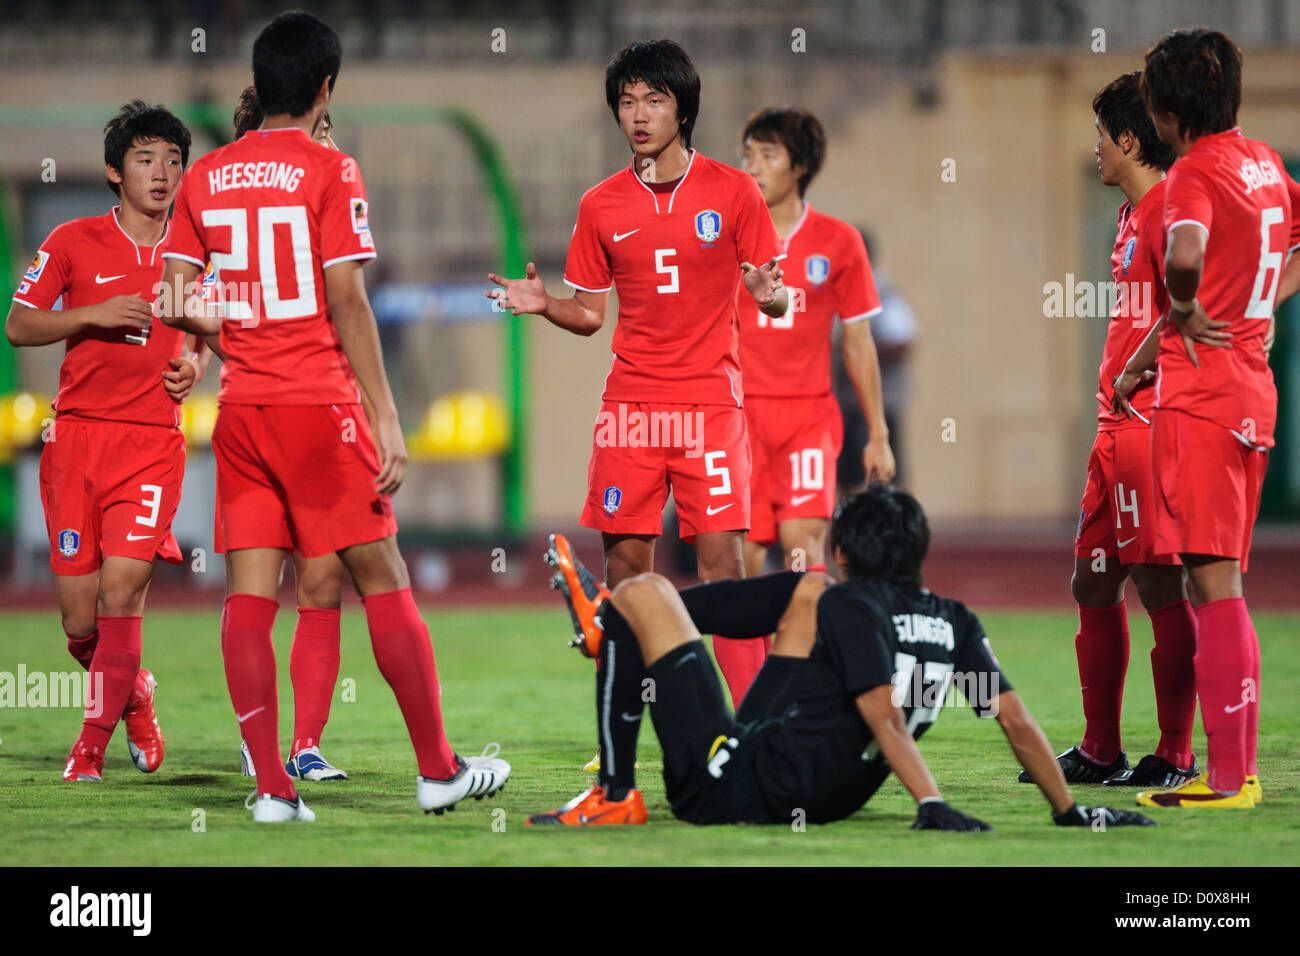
[
  {"x": 817, "y": 269},
  {"x": 708, "y": 225},
  {"x": 69, "y": 542},
  {"x": 1128, "y": 252},
  {"x": 613, "y": 498}
]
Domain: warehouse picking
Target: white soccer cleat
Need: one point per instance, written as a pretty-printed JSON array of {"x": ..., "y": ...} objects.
[
  {"x": 308, "y": 764},
  {"x": 478, "y": 777},
  {"x": 271, "y": 809},
  {"x": 245, "y": 761}
]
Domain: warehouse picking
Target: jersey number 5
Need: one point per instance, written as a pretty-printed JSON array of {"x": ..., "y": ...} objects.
[{"x": 236, "y": 260}]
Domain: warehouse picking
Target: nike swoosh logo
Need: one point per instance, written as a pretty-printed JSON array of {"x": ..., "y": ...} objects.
[
  {"x": 251, "y": 713},
  {"x": 802, "y": 498},
  {"x": 1233, "y": 710},
  {"x": 1125, "y": 544},
  {"x": 619, "y": 237},
  {"x": 583, "y": 818},
  {"x": 713, "y": 511},
  {"x": 629, "y": 718},
  {"x": 100, "y": 280},
  {"x": 137, "y": 537}
]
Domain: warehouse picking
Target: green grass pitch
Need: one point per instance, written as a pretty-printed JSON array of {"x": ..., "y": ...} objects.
[{"x": 507, "y": 677}]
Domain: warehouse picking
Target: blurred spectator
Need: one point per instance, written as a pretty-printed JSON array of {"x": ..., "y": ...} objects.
[{"x": 894, "y": 330}]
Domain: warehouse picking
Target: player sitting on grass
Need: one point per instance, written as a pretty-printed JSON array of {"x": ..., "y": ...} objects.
[
  {"x": 112, "y": 465},
  {"x": 857, "y": 673}
]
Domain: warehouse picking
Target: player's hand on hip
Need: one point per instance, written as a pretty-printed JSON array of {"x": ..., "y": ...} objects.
[
  {"x": 132, "y": 311},
  {"x": 1197, "y": 328},
  {"x": 937, "y": 815},
  {"x": 1124, "y": 384},
  {"x": 526, "y": 296},
  {"x": 392, "y": 454},
  {"x": 179, "y": 382},
  {"x": 764, "y": 281},
  {"x": 878, "y": 461}
]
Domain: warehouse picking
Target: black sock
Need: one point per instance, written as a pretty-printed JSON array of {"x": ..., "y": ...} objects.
[
  {"x": 751, "y": 607},
  {"x": 618, "y": 697}
]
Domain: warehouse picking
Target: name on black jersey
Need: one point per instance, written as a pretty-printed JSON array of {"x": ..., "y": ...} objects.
[{"x": 923, "y": 629}]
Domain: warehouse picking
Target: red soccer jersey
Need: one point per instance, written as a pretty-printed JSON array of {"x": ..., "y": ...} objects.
[
  {"x": 827, "y": 274},
  {"x": 272, "y": 211},
  {"x": 1238, "y": 191},
  {"x": 104, "y": 375},
  {"x": 1137, "y": 267},
  {"x": 675, "y": 258}
]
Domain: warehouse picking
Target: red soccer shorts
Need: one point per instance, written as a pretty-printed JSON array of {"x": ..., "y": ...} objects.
[
  {"x": 298, "y": 477},
  {"x": 110, "y": 488},
  {"x": 1207, "y": 486},
  {"x": 641, "y": 450},
  {"x": 1118, "y": 514},
  {"x": 796, "y": 443}
]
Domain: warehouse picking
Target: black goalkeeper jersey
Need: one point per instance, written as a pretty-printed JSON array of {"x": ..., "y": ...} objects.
[{"x": 815, "y": 752}]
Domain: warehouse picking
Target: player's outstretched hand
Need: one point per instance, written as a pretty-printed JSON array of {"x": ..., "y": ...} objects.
[
  {"x": 764, "y": 281},
  {"x": 179, "y": 382},
  {"x": 937, "y": 815},
  {"x": 1099, "y": 818},
  {"x": 133, "y": 311},
  {"x": 391, "y": 446},
  {"x": 526, "y": 296}
]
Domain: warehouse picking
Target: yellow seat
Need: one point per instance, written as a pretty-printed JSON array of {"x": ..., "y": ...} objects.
[
  {"x": 24, "y": 420},
  {"x": 198, "y": 416},
  {"x": 461, "y": 425}
]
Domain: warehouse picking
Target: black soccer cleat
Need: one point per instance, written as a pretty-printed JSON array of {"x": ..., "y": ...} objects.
[
  {"x": 1153, "y": 771},
  {"x": 1079, "y": 769}
]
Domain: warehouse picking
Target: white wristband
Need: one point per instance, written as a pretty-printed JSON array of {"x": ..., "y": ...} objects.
[{"x": 1184, "y": 307}]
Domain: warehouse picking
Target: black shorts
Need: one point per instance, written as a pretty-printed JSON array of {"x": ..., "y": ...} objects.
[{"x": 708, "y": 756}]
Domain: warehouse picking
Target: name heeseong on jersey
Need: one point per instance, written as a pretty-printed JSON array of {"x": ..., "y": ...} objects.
[
  {"x": 659, "y": 429},
  {"x": 55, "y": 689},
  {"x": 1100, "y": 300},
  {"x": 234, "y": 301}
]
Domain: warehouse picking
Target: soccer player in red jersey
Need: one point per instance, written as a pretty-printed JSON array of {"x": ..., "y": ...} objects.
[
  {"x": 1116, "y": 535},
  {"x": 284, "y": 221},
  {"x": 675, "y": 232},
  {"x": 1229, "y": 215},
  {"x": 314, "y": 655},
  {"x": 795, "y": 428},
  {"x": 112, "y": 466}
]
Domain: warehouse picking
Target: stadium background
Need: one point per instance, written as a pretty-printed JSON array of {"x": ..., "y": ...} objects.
[{"x": 1000, "y": 89}]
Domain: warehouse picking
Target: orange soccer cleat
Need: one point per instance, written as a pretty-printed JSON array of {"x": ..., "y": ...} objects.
[
  {"x": 143, "y": 734},
  {"x": 84, "y": 763},
  {"x": 592, "y": 809},
  {"x": 582, "y": 593}
]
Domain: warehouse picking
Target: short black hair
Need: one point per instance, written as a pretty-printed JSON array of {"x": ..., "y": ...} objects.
[
  {"x": 293, "y": 55},
  {"x": 137, "y": 122},
  {"x": 799, "y": 131},
  {"x": 883, "y": 534},
  {"x": 1119, "y": 107},
  {"x": 1196, "y": 76},
  {"x": 661, "y": 65}
]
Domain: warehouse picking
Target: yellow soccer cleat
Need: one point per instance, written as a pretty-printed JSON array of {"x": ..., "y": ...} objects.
[
  {"x": 592, "y": 765},
  {"x": 1198, "y": 793},
  {"x": 1254, "y": 789}
]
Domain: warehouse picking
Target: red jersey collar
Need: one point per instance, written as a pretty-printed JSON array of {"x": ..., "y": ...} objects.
[
  {"x": 690, "y": 164},
  {"x": 153, "y": 250}
]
